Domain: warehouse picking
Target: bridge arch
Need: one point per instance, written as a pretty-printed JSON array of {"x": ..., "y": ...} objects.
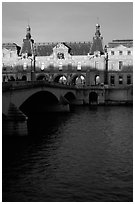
[
  {"x": 93, "y": 98},
  {"x": 39, "y": 102},
  {"x": 20, "y": 95},
  {"x": 24, "y": 78}
]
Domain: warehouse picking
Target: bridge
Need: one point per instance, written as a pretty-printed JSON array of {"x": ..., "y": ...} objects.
[
  {"x": 21, "y": 99},
  {"x": 42, "y": 96}
]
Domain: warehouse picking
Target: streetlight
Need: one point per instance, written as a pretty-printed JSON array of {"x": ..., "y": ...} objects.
[
  {"x": 106, "y": 66},
  {"x": 32, "y": 68}
]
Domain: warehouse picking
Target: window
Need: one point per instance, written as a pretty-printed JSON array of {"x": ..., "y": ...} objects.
[
  {"x": 120, "y": 52},
  {"x": 112, "y": 52},
  {"x": 96, "y": 65},
  {"x": 120, "y": 65},
  {"x": 112, "y": 80},
  {"x": 60, "y": 55},
  {"x": 129, "y": 79},
  {"x": 70, "y": 66},
  {"x": 79, "y": 66},
  {"x": 25, "y": 66},
  {"x": 42, "y": 66},
  {"x": 120, "y": 80},
  {"x": 129, "y": 52},
  {"x": 112, "y": 66},
  {"x": 97, "y": 80},
  {"x": 60, "y": 66}
]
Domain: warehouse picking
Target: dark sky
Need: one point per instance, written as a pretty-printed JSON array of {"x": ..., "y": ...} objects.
[{"x": 66, "y": 21}]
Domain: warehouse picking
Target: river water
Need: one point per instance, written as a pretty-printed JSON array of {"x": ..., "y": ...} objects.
[{"x": 84, "y": 156}]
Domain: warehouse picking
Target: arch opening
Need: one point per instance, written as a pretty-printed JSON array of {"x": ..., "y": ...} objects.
[
  {"x": 93, "y": 98},
  {"x": 78, "y": 80},
  {"x": 42, "y": 77},
  {"x": 40, "y": 102},
  {"x": 11, "y": 78},
  {"x": 60, "y": 79},
  {"x": 24, "y": 78},
  {"x": 97, "y": 80}
]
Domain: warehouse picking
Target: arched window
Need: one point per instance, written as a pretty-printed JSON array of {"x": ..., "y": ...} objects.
[
  {"x": 112, "y": 80},
  {"x": 97, "y": 80},
  {"x": 120, "y": 52},
  {"x": 80, "y": 80},
  {"x": 63, "y": 80},
  {"x": 25, "y": 66},
  {"x": 120, "y": 79},
  {"x": 120, "y": 65},
  {"x": 96, "y": 65},
  {"x": 129, "y": 52},
  {"x": 12, "y": 78}
]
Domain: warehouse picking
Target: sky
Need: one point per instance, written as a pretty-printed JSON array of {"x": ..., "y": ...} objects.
[{"x": 66, "y": 21}]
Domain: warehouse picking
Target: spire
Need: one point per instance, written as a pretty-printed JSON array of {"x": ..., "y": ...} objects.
[
  {"x": 97, "y": 33},
  {"x": 97, "y": 42},
  {"x": 28, "y": 44},
  {"x": 28, "y": 30}
]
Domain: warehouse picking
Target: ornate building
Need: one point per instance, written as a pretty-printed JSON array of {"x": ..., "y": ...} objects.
[
  {"x": 120, "y": 62},
  {"x": 72, "y": 63}
]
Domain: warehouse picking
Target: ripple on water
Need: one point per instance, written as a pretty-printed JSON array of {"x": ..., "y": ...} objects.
[{"x": 83, "y": 156}]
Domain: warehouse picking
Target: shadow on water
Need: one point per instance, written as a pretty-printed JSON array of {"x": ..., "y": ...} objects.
[{"x": 43, "y": 125}]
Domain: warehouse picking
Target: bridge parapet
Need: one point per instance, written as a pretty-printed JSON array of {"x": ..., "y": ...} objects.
[
  {"x": 6, "y": 86},
  {"x": 32, "y": 84}
]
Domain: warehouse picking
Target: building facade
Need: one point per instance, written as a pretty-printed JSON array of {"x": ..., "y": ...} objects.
[
  {"x": 120, "y": 63},
  {"x": 80, "y": 64}
]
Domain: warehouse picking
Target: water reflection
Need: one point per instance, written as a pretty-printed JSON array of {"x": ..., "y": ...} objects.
[{"x": 83, "y": 156}]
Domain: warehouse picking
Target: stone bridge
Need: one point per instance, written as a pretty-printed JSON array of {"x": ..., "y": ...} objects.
[
  {"x": 21, "y": 100},
  {"x": 44, "y": 96}
]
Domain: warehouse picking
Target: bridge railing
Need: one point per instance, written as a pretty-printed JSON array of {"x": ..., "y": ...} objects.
[{"x": 32, "y": 84}]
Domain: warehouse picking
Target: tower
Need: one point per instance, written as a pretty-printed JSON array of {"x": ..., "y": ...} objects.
[
  {"x": 97, "y": 46},
  {"x": 28, "y": 31},
  {"x": 97, "y": 34},
  {"x": 27, "y": 46}
]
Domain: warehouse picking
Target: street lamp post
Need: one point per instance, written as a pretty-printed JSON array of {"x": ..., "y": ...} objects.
[
  {"x": 33, "y": 68},
  {"x": 106, "y": 66}
]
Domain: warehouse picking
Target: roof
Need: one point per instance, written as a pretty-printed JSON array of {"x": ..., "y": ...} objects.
[
  {"x": 11, "y": 46},
  {"x": 27, "y": 47},
  {"x": 97, "y": 46},
  {"x": 127, "y": 43},
  {"x": 75, "y": 48}
]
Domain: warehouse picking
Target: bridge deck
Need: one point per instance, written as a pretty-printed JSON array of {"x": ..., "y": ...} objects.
[{"x": 15, "y": 85}]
